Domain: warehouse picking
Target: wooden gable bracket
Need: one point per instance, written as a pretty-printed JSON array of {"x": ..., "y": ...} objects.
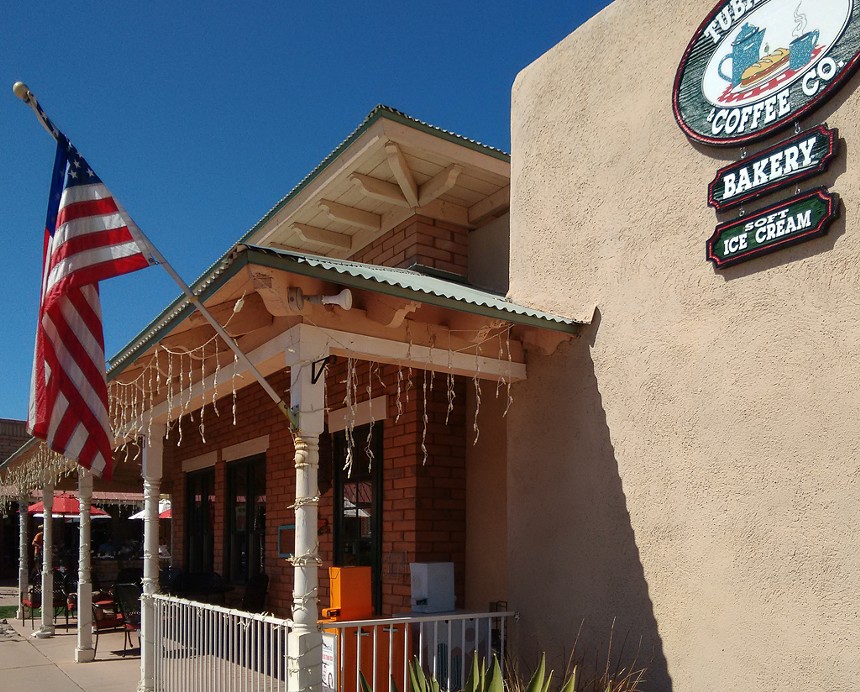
[
  {"x": 402, "y": 173},
  {"x": 380, "y": 190},
  {"x": 545, "y": 341},
  {"x": 351, "y": 215},
  {"x": 323, "y": 236},
  {"x": 273, "y": 289},
  {"x": 389, "y": 312},
  {"x": 439, "y": 184},
  {"x": 472, "y": 328}
]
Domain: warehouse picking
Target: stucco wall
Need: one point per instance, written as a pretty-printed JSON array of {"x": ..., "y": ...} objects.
[
  {"x": 690, "y": 464},
  {"x": 489, "y": 255},
  {"x": 486, "y": 506}
]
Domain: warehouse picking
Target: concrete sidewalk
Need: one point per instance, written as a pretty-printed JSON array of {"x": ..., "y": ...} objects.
[{"x": 27, "y": 663}]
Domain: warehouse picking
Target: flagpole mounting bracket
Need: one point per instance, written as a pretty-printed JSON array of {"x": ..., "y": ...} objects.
[{"x": 318, "y": 367}]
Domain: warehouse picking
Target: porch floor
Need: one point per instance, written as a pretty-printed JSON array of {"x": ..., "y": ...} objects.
[{"x": 27, "y": 663}]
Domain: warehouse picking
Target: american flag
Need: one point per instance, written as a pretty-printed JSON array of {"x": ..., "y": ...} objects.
[{"x": 88, "y": 237}]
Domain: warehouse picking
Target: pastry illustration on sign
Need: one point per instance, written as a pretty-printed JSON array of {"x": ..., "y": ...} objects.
[
  {"x": 766, "y": 59},
  {"x": 757, "y": 65}
]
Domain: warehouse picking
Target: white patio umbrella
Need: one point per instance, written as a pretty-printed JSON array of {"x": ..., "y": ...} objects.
[{"x": 163, "y": 506}]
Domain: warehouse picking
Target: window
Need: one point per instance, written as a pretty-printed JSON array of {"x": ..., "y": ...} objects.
[
  {"x": 357, "y": 505},
  {"x": 199, "y": 520},
  {"x": 245, "y": 539}
]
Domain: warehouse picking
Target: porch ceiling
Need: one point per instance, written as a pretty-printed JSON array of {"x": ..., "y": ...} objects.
[{"x": 390, "y": 168}]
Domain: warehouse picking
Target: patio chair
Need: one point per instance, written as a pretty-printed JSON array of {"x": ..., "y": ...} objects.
[
  {"x": 127, "y": 597},
  {"x": 105, "y": 617},
  {"x": 31, "y": 600}
]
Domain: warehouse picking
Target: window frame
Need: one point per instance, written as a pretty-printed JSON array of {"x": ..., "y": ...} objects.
[
  {"x": 244, "y": 466},
  {"x": 375, "y": 476}
]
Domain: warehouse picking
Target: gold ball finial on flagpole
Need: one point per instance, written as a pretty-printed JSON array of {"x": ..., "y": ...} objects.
[{"x": 22, "y": 91}]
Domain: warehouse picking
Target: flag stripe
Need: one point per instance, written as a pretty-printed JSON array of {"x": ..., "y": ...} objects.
[
  {"x": 84, "y": 209},
  {"x": 93, "y": 239},
  {"x": 93, "y": 266},
  {"x": 81, "y": 227}
]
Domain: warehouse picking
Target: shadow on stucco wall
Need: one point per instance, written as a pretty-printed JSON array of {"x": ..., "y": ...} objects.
[{"x": 573, "y": 558}]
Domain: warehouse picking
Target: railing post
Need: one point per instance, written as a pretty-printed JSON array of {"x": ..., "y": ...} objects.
[
  {"x": 153, "y": 453},
  {"x": 23, "y": 552},
  {"x": 84, "y": 650}
]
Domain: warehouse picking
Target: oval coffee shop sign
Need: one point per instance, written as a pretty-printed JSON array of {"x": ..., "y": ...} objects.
[{"x": 755, "y": 66}]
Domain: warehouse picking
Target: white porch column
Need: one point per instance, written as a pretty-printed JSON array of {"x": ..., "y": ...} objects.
[
  {"x": 305, "y": 643},
  {"x": 47, "y": 628},
  {"x": 23, "y": 552},
  {"x": 153, "y": 455},
  {"x": 84, "y": 649}
]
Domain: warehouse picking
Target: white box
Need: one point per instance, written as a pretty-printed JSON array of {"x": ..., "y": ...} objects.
[{"x": 432, "y": 587}]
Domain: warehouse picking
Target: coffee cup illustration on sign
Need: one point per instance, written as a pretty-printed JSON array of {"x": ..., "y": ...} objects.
[
  {"x": 800, "y": 49},
  {"x": 745, "y": 53}
]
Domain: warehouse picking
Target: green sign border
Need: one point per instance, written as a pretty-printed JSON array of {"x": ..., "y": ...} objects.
[{"x": 824, "y": 204}]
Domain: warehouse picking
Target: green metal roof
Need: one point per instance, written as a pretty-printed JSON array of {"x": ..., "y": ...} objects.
[{"x": 401, "y": 283}]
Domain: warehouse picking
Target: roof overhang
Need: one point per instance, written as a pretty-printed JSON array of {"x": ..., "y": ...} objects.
[
  {"x": 390, "y": 168},
  {"x": 386, "y": 301}
]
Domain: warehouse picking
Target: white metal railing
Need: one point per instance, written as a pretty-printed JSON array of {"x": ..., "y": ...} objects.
[
  {"x": 205, "y": 647},
  {"x": 443, "y": 644}
]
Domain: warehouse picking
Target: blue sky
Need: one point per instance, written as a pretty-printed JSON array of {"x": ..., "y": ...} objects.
[{"x": 199, "y": 118}]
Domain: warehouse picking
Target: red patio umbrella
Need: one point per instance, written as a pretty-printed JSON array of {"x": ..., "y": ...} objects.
[{"x": 65, "y": 505}]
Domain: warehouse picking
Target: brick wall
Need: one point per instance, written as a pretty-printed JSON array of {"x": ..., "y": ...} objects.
[
  {"x": 421, "y": 240},
  {"x": 13, "y": 433},
  {"x": 423, "y": 513}
]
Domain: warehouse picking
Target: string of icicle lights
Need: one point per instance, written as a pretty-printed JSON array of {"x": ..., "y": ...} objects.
[
  {"x": 171, "y": 374},
  {"x": 40, "y": 467}
]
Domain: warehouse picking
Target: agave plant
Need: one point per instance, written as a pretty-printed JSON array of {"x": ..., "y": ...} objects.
[{"x": 480, "y": 680}]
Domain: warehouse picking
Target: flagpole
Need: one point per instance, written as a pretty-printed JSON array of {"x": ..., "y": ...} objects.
[{"x": 22, "y": 91}]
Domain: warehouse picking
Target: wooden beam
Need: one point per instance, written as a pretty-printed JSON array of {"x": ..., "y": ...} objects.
[
  {"x": 489, "y": 206},
  {"x": 439, "y": 184},
  {"x": 273, "y": 288},
  {"x": 323, "y": 236},
  {"x": 402, "y": 173},
  {"x": 351, "y": 215},
  {"x": 378, "y": 189},
  {"x": 388, "y": 311},
  {"x": 424, "y": 357},
  {"x": 252, "y": 315},
  {"x": 446, "y": 211}
]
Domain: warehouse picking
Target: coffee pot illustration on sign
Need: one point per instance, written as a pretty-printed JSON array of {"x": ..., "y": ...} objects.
[{"x": 746, "y": 49}]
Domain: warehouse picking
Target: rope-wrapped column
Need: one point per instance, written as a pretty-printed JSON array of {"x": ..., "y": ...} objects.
[
  {"x": 153, "y": 454},
  {"x": 47, "y": 628},
  {"x": 308, "y": 400},
  {"x": 23, "y": 552},
  {"x": 84, "y": 649}
]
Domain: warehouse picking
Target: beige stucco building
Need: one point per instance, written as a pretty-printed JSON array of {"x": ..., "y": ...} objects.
[{"x": 688, "y": 467}]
